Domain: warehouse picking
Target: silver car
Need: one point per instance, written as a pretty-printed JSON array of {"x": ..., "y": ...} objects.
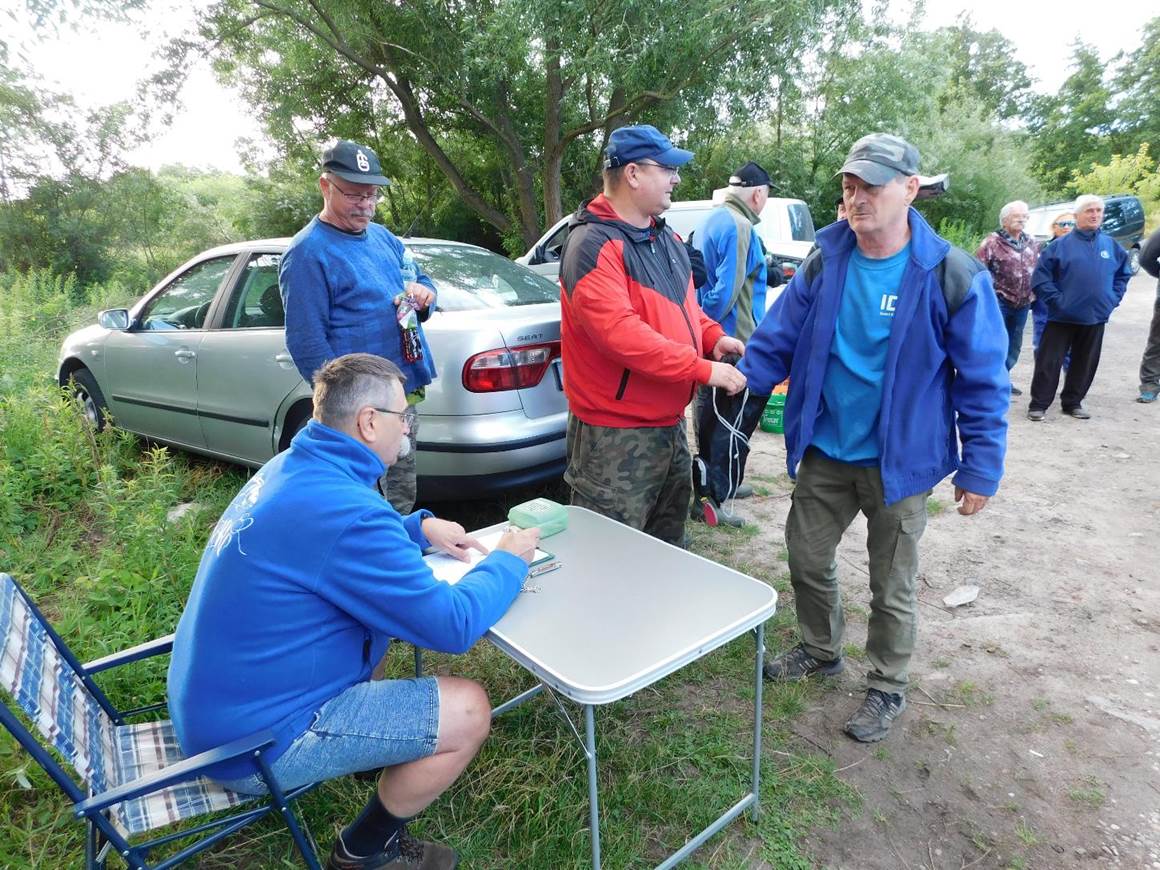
[{"x": 200, "y": 362}]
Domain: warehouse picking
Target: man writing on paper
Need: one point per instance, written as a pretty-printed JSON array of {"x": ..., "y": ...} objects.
[{"x": 306, "y": 577}]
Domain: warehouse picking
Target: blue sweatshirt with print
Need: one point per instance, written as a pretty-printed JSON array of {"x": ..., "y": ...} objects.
[
  {"x": 1081, "y": 277},
  {"x": 945, "y": 378},
  {"x": 339, "y": 290},
  {"x": 306, "y": 577}
]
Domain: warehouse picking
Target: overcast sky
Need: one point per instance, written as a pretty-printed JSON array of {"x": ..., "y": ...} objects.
[{"x": 101, "y": 64}]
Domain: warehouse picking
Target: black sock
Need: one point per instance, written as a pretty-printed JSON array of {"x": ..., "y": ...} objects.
[{"x": 372, "y": 830}]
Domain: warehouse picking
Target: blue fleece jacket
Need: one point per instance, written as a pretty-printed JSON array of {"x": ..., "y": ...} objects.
[
  {"x": 942, "y": 371},
  {"x": 1081, "y": 277},
  {"x": 306, "y": 577},
  {"x": 338, "y": 290},
  {"x": 717, "y": 242}
]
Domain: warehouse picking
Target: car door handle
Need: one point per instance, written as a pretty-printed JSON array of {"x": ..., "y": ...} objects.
[
  {"x": 184, "y": 355},
  {"x": 284, "y": 359}
]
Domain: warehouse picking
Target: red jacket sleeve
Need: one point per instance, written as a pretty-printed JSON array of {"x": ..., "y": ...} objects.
[{"x": 601, "y": 307}]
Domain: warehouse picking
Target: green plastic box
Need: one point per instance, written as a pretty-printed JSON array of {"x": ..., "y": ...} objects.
[{"x": 541, "y": 513}]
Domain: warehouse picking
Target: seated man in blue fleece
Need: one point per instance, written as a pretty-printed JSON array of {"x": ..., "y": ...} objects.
[{"x": 306, "y": 577}]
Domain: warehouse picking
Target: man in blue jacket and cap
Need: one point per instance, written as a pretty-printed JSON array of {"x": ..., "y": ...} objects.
[
  {"x": 349, "y": 286},
  {"x": 895, "y": 349},
  {"x": 1081, "y": 278}
]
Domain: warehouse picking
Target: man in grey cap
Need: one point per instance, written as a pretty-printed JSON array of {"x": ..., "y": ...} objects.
[
  {"x": 895, "y": 349},
  {"x": 349, "y": 286}
]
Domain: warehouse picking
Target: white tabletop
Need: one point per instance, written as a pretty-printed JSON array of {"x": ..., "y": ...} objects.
[{"x": 624, "y": 610}]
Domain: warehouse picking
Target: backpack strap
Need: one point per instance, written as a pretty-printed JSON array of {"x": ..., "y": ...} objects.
[{"x": 955, "y": 273}]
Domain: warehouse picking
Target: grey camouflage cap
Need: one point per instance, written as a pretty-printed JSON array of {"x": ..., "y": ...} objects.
[{"x": 879, "y": 158}]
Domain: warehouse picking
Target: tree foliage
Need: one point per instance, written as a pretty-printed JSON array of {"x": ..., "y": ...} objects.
[{"x": 496, "y": 93}]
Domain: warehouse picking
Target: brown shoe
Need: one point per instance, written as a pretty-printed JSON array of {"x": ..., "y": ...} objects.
[{"x": 403, "y": 852}]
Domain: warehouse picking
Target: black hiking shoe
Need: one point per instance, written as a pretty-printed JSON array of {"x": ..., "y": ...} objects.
[
  {"x": 402, "y": 852},
  {"x": 797, "y": 664},
  {"x": 872, "y": 721}
]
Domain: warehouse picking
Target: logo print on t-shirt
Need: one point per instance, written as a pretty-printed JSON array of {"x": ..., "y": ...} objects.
[
  {"x": 364, "y": 165},
  {"x": 886, "y": 307}
]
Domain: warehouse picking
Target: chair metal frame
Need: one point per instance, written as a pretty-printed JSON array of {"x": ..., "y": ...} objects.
[{"x": 101, "y": 834}]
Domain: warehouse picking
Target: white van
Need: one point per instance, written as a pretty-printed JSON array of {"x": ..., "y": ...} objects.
[{"x": 786, "y": 231}]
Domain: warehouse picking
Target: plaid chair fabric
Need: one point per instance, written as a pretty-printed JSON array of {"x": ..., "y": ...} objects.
[{"x": 104, "y": 754}]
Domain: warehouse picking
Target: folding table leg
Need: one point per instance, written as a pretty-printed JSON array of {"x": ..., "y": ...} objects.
[
  {"x": 593, "y": 806},
  {"x": 760, "y": 658}
]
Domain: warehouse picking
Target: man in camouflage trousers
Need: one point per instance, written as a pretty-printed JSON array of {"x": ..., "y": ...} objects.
[{"x": 635, "y": 342}]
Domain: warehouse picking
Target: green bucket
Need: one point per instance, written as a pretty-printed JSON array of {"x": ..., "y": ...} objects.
[{"x": 773, "y": 417}]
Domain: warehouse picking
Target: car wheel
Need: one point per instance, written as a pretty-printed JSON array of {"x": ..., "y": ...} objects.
[
  {"x": 1134, "y": 260},
  {"x": 90, "y": 398},
  {"x": 296, "y": 421}
]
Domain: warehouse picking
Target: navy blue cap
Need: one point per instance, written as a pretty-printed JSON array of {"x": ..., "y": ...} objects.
[
  {"x": 354, "y": 162},
  {"x": 642, "y": 142}
]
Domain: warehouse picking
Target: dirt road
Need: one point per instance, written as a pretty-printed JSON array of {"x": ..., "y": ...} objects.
[{"x": 1033, "y": 733}]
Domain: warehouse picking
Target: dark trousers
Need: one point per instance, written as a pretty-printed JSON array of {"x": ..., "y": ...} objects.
[
  {"x": 1150, "y": 364},
  {"x": 1014, "y": 319},
  {"x": 1083, "y": 342}
]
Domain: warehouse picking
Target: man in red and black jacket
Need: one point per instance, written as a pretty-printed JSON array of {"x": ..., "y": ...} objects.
[{"x": 635, "y": 342}]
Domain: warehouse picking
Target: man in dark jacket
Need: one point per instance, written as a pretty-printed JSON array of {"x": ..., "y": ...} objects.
[
  {"x": 1081, "y": 278},
  {"x": 1150, "y": 364},
  {"x": 635, "y": 342},
  {"x": 348, "y": 285},
  {"x": 895, "y": 348}
]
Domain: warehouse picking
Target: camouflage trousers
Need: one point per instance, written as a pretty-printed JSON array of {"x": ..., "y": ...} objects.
[
  {"x": 398, "y": 483},
  {"x": 639, "y": 477}
]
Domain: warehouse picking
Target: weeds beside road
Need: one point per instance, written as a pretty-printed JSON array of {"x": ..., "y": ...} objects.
[{"x": 84, "y": 526}]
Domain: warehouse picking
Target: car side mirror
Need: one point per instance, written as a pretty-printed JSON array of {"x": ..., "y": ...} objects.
[
  {"x": 537, "y": 258},
  {"x": 114, "y": 318}
]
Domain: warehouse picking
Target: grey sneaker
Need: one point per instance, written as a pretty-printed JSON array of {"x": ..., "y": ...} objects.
[
  {"x": 744, "y": 490},
  {"x": 1035, "y": 415},
  {"x": 873, "y": 719},
  {"x": 797, "y": 664},
  {"x": 402, "y": 852},
  {"x": 1078, "y": 412}
]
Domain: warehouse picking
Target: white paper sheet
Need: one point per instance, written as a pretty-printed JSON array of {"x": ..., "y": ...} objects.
[{"x": 450, "y": 570}]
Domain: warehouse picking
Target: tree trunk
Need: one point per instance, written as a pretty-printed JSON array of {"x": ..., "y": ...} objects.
[{"x": 553, "y": 152}]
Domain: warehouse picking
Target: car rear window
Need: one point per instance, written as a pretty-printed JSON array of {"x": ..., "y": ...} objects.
[
  {"x": 801, "y": 224},
  {"x": 472, "y": 278}
]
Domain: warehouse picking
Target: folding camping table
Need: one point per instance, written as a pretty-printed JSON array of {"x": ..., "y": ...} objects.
[{"x": 623, "y": 611}]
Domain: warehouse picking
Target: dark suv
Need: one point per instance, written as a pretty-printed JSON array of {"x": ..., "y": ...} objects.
[{"x": 1124, "y": 222}]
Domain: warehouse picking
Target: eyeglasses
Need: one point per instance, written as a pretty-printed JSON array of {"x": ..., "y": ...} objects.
[
  {"x": 1064, "y": 224},
  {"x": 355, "y": 197},
  {"x": 673, "y": 171},
  {"x": 407, "y": 416}
]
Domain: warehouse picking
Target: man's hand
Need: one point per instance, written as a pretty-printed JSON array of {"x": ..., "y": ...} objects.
[
  {"x": 451, "y": 538},
  {"x": 728, "y": 344},
  {"x": 420, "y": 295},
  {"x": 727, "y": 378},
  {"x": 520, "y": 542},
  {"x": 971, "y": 503}
]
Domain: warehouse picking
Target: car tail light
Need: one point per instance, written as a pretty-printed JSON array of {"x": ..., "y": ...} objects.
[{"x": 509, "y": 369}]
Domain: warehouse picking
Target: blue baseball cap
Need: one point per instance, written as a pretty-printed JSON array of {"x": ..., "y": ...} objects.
[{"x": 642, "y": 142}]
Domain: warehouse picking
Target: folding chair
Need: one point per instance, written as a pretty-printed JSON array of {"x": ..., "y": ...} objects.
[{"x": 134, "y": 778}]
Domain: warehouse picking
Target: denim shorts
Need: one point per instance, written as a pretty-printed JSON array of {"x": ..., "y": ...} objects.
[{"x": 373, "y": 724}]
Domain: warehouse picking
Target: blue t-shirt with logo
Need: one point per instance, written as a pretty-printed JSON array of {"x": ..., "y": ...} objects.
[{"x": 847, "y": 428}]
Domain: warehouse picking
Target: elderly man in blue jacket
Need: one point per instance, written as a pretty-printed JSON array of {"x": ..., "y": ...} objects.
[
  {"x": 349, "y": 286},
  {"x": 306, "y": 577},
  {"x": 895, "y": 349},
  {"x": 1081, "y": 278}
]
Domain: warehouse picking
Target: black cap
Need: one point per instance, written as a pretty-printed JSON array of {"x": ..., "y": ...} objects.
[
  {"x": 750, "y": 175},
  {"x": 354, "y": 162}
]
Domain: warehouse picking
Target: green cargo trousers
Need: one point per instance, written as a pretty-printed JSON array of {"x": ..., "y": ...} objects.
[
  {"x": 639, "y": 477},
  {"x": 826, "y": 499}
]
